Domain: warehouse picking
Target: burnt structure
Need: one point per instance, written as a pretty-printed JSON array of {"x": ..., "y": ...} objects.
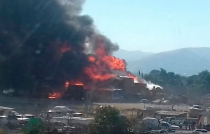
[
  {"x": 121, "y": 88},
  {"x": 75, "y": 92}
]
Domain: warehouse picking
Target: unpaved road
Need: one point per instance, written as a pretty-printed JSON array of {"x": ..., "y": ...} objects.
[{"x": 142, "y": 106}]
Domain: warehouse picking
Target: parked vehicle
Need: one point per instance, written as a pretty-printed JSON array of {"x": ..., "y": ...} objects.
[
  {"x": 167, "y": 126},
  {"x": 196, "y": 107},
  {"x": 157, "y": 101},
  {"x": 197, "y": 131},
  {"x": 144, "y": 101},
  {"x": 153, "y": 123},
  {"x": 61, "y": 108},
  {"x": 72, "y": 120},
  {"x": 77, "y": 115},
  {"x": 22, "y": 119},
  {"x": 173, "y": 120},
  {"x": 208, "y": 109}
]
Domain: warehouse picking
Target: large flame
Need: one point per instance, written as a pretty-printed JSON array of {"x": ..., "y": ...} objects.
[{"x": 103, "y": 67}]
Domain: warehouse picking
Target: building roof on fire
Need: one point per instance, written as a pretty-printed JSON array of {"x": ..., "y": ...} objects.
[{"x": 170, "y": 113}]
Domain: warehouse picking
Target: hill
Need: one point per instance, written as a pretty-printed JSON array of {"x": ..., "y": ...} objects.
[
  {"x": 186, "y": 61},
  {"x": 130, "y": 56},
  {"x": 201, "y": 51}
]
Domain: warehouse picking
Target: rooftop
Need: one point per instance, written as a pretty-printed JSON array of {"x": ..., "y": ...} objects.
[
  {"x": 207, "y": 113},
  {"x": 6, "y": 108}
]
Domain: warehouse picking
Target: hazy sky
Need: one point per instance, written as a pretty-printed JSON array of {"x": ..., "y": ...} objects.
[{"x": 152, "y": 25}]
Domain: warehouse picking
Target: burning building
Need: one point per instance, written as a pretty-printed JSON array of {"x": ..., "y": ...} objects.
[
  {"x": 131, "y": 87},
  {"x": 122, "y": 88},
  {"x": 47, "y": 44}
]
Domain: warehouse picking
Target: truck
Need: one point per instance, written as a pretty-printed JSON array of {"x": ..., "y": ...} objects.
[
  {"x": 155, "y": 124},
  {"x": 174, "y": 121}
]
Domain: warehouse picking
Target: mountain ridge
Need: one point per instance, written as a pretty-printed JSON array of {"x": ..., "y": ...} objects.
[
  {"x": 184, "y": 61},
  {"x": 131, "y": 55}
]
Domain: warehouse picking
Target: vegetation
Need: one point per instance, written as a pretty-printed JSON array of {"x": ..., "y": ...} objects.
[
  {"x": 34, "y": 126},
  {"x": 199, "y": 83},
  {"x": 108, "y": 120},
  {"x": 195, "y": 85}
]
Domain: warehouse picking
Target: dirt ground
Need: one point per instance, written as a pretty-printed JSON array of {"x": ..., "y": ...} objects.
[
  {"x": 122, "y": 106},
  {"x": 35, "y": 106}
]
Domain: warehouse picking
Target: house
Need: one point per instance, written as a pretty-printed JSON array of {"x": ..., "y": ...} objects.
[{"x": 204, "y": 118}]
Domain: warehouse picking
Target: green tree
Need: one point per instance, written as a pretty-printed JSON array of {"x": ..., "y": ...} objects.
[
  {"x": 199, "y": 84},
  {"x": 171, "y": 82},
  {"x": 108, "y": 120},
  {"x": 34, "y": 126}
]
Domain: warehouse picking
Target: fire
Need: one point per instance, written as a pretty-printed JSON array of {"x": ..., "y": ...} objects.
[
  {"x": 135, "y": 79},
  {"x": 103, "y": 68},
  {"x": 76, "y": 83},
  {"x": 54, "y": 95},
  {"x": 115, "y": 63},
  {"x": 112, "y": 62},
  {"x": 67, "y": 84},
  {"x": 98, "y": 74},
  {"x": 91, "y": 59}
]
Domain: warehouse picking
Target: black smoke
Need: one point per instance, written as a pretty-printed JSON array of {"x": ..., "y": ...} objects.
[{"x": 32, "y": 33}]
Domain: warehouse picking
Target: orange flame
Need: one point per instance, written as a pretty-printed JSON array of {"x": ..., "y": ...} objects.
[
  {"x": 112, "y": 62},
  {"x": 67, "y": 84},
  {"x": 97, "y": 74},
  {"x": 54, "y": 95},
  {"x": 103, "y": 67},
  {"x": 76, "y": 83},
  {"x": 135, "y": 79},
  {"x": 115, "y": 63},
  {"x": 91, "y": 58}
]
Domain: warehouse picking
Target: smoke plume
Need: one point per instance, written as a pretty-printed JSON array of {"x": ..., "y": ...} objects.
[{"x": 45, "y": 42}]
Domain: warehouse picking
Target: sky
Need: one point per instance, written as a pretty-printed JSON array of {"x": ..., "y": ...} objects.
[{"x": 152, "y": 25}]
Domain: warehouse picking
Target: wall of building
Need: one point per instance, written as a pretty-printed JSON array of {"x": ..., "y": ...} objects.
[
  {"x": 131, "y": 89},
  {"x": 203, "y": 119}
]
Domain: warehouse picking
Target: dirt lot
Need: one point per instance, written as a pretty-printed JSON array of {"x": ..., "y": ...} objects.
[
  {"x": 35, "y": 106},
  {"x": 142, "y": 106}
]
